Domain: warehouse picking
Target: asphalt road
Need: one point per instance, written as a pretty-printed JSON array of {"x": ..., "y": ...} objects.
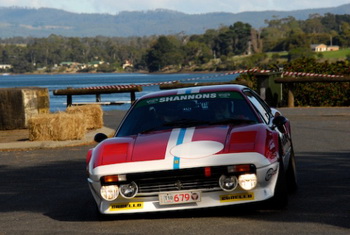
[{"x": 45, "y": 191}]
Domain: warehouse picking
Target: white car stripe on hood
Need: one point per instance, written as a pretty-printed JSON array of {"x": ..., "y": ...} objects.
[{"x": 178, "y": 136}]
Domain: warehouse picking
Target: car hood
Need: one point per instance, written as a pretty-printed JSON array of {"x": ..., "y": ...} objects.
[{"x": 182, "y": 143}]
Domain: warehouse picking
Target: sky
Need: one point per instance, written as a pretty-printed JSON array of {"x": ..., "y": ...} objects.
[{"x": 186, "y": 6}]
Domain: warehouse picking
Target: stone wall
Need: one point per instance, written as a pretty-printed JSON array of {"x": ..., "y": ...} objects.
[{"x": 18, "y": 104}]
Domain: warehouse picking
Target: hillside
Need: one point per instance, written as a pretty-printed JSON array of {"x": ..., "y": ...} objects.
[{"x": 42, "y": 22}]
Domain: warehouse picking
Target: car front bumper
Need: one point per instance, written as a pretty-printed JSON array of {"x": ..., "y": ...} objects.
[{"x": 267, "y": 178}]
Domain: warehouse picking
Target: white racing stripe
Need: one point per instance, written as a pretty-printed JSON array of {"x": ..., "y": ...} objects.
[{"x": 178, "y": 136}]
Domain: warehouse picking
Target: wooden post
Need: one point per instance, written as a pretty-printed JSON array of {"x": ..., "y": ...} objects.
[
  {"x": 69, "y": 100},
  {"x": 290, "y": 87},
  {"x": 98, "y": 97},
  {"x": 132, "y": 96}
]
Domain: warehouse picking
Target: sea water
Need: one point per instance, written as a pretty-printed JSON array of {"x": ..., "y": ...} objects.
[{"x": 83, "y": 80}]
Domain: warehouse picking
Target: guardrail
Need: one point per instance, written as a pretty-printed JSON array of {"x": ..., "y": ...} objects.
[
  {"x": 269, "y": 86},
  {"x": 289, "y": 81},
  {"x": 69, "y": 92}
]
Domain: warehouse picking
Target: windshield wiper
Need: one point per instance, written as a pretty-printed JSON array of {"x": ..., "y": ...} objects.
[{"x": 149, "y": 130}]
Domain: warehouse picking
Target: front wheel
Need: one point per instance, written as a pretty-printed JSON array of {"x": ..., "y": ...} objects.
[
  {"x": 280, "y": 199},
  {"x": 291, "y": 174}
]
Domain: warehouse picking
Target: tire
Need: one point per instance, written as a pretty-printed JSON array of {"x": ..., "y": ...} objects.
[
  {"x": 291, "y": 175},
  {"x": 280, "y": 199}
]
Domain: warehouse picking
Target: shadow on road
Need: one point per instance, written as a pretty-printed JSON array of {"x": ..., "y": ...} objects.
[{"x": 58, "y": 189}]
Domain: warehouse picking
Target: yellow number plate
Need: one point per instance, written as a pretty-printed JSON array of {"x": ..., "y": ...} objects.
[
  {"x": 126, "y": 206},
  {"x": 237, "y": 197}
]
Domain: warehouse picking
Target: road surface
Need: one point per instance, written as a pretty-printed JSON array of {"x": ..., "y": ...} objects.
[{"x": 45, "y": 191}]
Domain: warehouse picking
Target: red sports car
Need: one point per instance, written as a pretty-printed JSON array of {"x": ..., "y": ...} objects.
[{"x": 192, "y": 148}]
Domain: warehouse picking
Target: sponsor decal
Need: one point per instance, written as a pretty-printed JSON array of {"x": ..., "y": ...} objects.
[
  {"x": 152, "y": 101},
  {"x": 224, "y": 95},
  {"x": 190, "y": 94},
  {"x": 126, "y": 206},
  {"x": 187, "y": 97},
  {"x": 270, "y": 173},
  {"x": 237, "y": 197}
]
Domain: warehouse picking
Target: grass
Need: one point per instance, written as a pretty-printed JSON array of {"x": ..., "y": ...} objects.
[
  {"x": 341, "y": 54},
  {"x": 332, "y": 55}
]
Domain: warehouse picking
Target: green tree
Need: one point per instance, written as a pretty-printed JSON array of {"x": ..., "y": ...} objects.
[
  {"x": 242, "y": 33},
  {"x": 278, "y": 31},
  {"x": 233, "y": 40},
  {"x": 313, "y": 25},
  {"x": 344, "y": 37},
  {"x": 197, "y": 52},
  {"x": 19, "y": 65},
  {"x": 163, "y": 53},
  {"x": 296, "y": 40}
]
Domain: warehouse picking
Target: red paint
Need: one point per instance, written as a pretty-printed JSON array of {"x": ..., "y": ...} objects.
[
  {"x": 244, "y": 139},
  {"x": 112, "y": 151},
  {"x": 213, "y": 133},
  {"x": 111, "y": 154},
  {"x": 151, "y": 146},
  {"x": 88, "y": 156}
]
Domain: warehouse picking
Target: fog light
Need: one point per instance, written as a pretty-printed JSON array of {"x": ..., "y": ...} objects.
[
  {"x": 129, "y": 190},
  {"x": 228, "y": 183},
  {"x": 109, "y": 192},
  {"x": 247, "y": 181}
]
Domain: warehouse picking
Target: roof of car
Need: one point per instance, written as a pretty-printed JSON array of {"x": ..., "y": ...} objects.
[{"x": 196, "y": 89}]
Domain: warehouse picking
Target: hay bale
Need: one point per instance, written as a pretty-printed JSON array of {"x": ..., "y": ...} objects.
[
  {"x": 20, "y": 103},
  {"x": 56, "y": 126},
  {"x": 93, "y": 115}
]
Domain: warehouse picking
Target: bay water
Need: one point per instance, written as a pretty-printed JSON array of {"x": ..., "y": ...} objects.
[{"x": 83, "y": 80}]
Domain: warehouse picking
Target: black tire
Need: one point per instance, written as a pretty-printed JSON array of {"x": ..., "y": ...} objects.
[
  {"x": 291, "y": 174},
  {"x": 280, "y": 199}
]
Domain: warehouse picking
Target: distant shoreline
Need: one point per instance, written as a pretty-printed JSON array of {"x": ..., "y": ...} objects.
[{"x": 141, "y": 72}]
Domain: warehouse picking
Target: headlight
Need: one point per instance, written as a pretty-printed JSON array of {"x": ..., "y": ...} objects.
[
  {"x": 228, "y": 183},
  {"x": 247, "y": 181},
  {"x": 109, "y": 192},
  {"x": 129, "y": 190}
]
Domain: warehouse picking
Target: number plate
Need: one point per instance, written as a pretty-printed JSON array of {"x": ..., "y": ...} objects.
[{"x": 179, "y": 197}]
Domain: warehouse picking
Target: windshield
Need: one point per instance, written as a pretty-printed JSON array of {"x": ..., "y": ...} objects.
[{"x": 187, "y": 110}]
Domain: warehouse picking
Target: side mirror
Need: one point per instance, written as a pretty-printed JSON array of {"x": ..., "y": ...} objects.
[
  {"x": 99, "y": 137},
  {"x": 279, "y": 122}
]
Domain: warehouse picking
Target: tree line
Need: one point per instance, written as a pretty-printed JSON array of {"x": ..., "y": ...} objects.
[{"x": 214, "y": 50}]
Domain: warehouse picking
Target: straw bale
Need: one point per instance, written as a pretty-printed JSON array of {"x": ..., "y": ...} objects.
[
  {"x": 93, "y": 115},
  {"x": 18, "y": 104},
  {"x": 56, "y": 126}
]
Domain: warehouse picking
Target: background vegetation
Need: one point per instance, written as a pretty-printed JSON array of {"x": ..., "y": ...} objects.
[{"x": 284, "y": 44}]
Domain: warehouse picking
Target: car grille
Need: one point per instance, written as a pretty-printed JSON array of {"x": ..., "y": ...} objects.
[
  {"x": 177, "y": 184},
  {"x": 176, "y": 180}
]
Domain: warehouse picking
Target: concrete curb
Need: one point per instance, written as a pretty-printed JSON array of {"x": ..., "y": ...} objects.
[{"x": 25, "y": 145}]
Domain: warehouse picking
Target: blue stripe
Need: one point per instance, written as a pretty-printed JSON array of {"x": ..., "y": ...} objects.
[
  {"x": 180, "y": 139},
  {"x": 188, "y": 91}
]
